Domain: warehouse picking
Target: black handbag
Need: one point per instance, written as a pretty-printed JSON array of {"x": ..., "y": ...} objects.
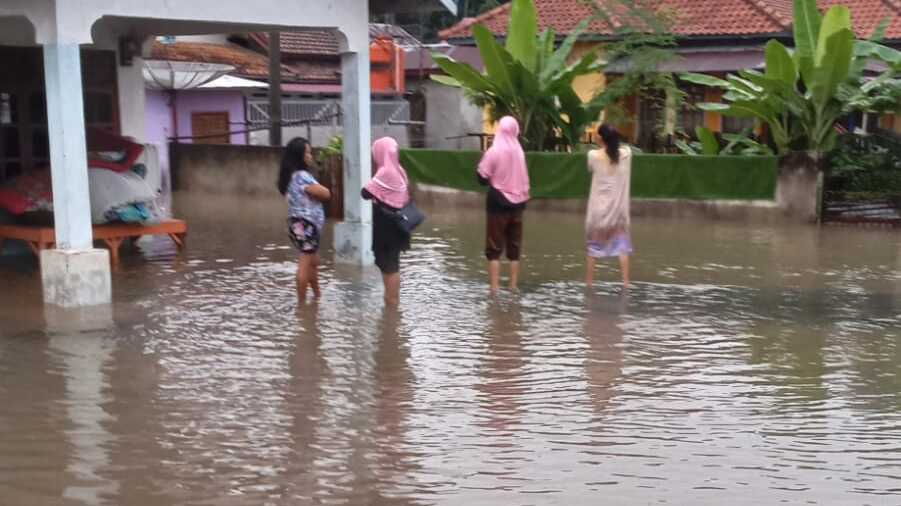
[{"x": 408, "y": 217}]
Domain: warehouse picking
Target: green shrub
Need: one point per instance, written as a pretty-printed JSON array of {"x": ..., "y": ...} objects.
[{"x": 565, "y": 176}]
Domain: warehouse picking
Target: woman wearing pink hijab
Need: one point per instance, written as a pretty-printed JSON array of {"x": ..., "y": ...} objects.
[
  {"x": 503, "y": 169},
  {"x": 389, "y": 191}
]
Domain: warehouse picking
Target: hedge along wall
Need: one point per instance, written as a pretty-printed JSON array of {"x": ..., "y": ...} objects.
[{"x": 565, "y": 176}]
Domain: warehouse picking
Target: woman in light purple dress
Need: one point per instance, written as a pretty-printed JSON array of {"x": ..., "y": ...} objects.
[{"x": 607, "y": 223}]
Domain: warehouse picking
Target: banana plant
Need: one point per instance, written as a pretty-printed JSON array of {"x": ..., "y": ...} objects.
[
  {"x": 801, "y": 95},
  {"x": 529, "y": 78},
  {"x": 709, "y": 145}
]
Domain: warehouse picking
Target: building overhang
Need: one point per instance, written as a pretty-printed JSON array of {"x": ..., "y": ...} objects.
[{"x": 412, "y": 6}]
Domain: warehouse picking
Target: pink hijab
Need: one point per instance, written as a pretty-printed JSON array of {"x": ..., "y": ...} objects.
[
  {"x": 504, "y": 165},
  {"x": 389, "y": 185}
]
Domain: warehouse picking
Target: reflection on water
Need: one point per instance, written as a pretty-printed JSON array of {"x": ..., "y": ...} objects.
[{"x": 749, "y": 365}]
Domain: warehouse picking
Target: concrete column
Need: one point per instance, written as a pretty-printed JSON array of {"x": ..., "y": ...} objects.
[
  {"x": 132, "y": 100},
  {"x": 68, "y": 152},
  {"x": 275, "y": 89},
  {"x": 353, "y": 237},
  {"x": 74, "y": 274}
]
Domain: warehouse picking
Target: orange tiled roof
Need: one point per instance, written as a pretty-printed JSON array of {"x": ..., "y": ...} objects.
[
  {"x": 309, "y": 43},
  {"x": 316, "y": 71},
  {"x": 247, "y": 63},
  {"x": 693, "y": 18},
  {"x": 325, "y": 43},
  {"x": 867, "y": 14}
]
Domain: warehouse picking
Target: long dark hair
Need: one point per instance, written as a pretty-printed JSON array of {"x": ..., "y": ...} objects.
[
  {"x": 611, "y": 141},
  {"x": 293, "y": 160}
]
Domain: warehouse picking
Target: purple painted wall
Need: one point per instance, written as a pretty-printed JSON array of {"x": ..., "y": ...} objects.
[
  {"x": 158, "y": 116},
  {"x": 159, "y": 112},
  {"x": 232, "y": 102},
  {"x": 158, "y": 120}
]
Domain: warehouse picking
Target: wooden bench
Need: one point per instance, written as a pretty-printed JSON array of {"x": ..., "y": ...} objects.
[{"x": 113, "y": 234}]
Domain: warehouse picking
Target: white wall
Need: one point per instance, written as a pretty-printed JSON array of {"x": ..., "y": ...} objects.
[
  {"x": 132, "y": 100},
  {"x": 73, "y": 20},
  {"x": 218, "y": 38},
  {"x": 449, "y": 114},
  {"x": 16, "y": 31}
]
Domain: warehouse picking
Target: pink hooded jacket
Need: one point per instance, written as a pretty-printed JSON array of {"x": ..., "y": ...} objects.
[
  {"x": 504, "y": 164},
  {"x": 389, "y": 185}
]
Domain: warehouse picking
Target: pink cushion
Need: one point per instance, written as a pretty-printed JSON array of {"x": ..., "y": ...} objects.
[{"x": 101, "y": 140}]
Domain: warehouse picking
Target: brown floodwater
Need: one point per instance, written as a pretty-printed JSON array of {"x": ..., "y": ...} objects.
[{"x": 748, "y": 365}]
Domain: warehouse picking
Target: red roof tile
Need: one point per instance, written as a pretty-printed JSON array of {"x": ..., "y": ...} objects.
[
  {"x": 247, "y": 63},
  {"x": 867, "y": 14},
  {"x": 562, "y": 15},
  {"x": 325, "y": 42},
  {"x": 692, "y": 17},
  {"x": 307, "y": 43},
  {"x": 316, "y": 71}
]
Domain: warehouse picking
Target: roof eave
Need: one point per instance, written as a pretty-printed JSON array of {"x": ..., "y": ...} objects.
[{"x": 598, "y": 37}]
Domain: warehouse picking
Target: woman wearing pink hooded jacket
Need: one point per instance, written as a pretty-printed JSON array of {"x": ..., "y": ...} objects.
[
  {"x": 503, "y": 169},
  {"x": 389, "y": 191}
]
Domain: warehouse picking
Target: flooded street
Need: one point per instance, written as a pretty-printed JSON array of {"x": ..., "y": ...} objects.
[{"x": 748, "y": 365}]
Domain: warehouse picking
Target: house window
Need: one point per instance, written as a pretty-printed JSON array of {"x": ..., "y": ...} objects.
[
  {"x": 691, "y": 116},
  {"x": 99, "y": 110},
  {"x": 210, "y": 127},
  {"x": 10, "y": 144},
  {"x": 24, "y": 141},
  {"x": 733, "y": 125},
  {"x": 651, "y": 111},
  {"x": 100, "y": 90},
  {"x": 39, "y": 152},
  {"x": 8, "y": 111}
]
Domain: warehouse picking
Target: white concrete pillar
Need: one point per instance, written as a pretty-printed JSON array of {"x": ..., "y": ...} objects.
[
  {"x": 68, "y": 152},
  {"x": 132, "y": 100},
  {"x": 353, "y": 237},
  {"x": 74, "y": 274}
]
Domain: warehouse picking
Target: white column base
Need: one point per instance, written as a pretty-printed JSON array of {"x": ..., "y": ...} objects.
[
  {"x": 64, "y": 321},
  {"x": 76, "y": 278},
  {"x": 353, "y": 243}
]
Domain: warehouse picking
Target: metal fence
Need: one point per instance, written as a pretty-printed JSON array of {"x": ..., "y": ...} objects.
[
  {"x": 326, "y": 112},
  {"x": 863, "y": 184}
]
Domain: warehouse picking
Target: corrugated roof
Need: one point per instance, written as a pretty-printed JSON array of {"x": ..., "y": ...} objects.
[
  {"x": 400, "y": 36},
  {"x": 421, "y": 59}
]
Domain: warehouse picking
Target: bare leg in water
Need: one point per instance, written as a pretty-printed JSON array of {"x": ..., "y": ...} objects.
[
  {"x": 514, "y": 275},
  {"x": 314, "y": 277},
  {"x": 590, "y": 264},
  {"x": 625, "y": 267},
  {"x": 494, "y": 275},
  {"x": 305, "y": 272},
  {"x": 392, "y": 288}
]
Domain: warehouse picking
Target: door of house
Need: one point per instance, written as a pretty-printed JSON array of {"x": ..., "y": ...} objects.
[{"x": 210, "y": 127}]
